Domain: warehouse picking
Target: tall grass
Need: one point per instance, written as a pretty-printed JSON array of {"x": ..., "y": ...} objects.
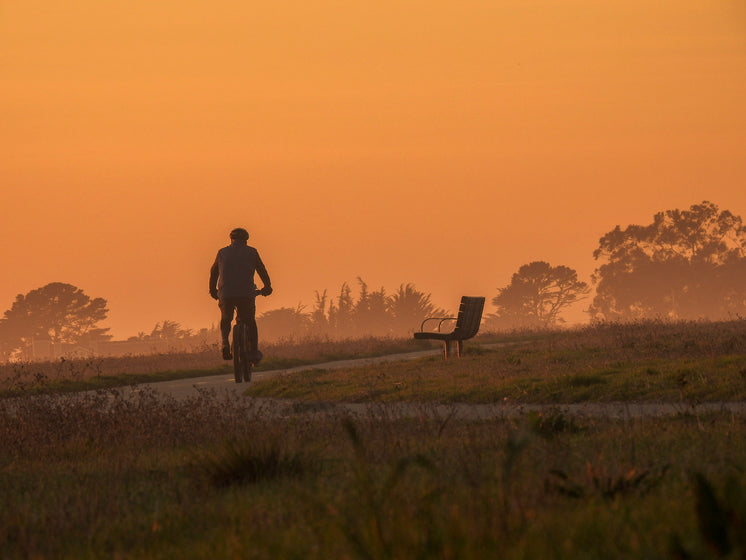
[{"x": 146, "y": 477}]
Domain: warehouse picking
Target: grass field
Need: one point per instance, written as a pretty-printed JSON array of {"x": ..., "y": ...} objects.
[
  {"x": 64, "y": 375},
  {"x": 143, "y": 476},
  {"x": 651, "y": 361}
]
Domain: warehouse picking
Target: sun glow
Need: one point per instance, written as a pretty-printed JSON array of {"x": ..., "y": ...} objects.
[{"x": 445, "y": 144}]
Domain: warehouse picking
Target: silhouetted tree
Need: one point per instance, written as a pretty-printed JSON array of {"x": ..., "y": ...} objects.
[
  {"x": 686, "y": 264},
  {"x": 319, "y": 319},
  {"x": 8, "y": 341},
  {"x": 58, "y": 312},
  {"x": 536, "y": 296},
  {"x": 284, "y": 322},
  {"x": 168, "y": 330},
  {"x": 341, "y": 318},
  {"x": 371, "y": 311},
  {"x": 141, "y": 335},
  {"x": 408, "y": 307}
]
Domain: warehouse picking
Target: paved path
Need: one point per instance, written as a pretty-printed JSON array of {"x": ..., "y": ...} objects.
[
  {"x": 181, "y": 388},
  {"x": 225, "y": 384}
]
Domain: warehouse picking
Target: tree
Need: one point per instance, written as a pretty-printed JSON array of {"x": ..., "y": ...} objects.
[
  {"x": 284, "y": 322},
  {"x": 408, "y": 307},
  {"x": 536, "y": 296},
  {"x": 319, "y": 320},
  {"x": 61, "y": 313},
  {"x": 168, "y": 330},
  {"x": 371, "y": 311},
  {"x": 684, "y": 265},
  {"x": 341, "y": 319}
]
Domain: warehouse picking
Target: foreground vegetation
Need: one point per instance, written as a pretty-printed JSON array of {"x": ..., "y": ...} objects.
[
  {"x": 139, "y": 475},
  {"x": 148, "y": 477}
]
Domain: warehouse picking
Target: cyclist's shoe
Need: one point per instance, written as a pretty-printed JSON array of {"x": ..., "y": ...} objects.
[
  {"x": 256, "y": 358},
  {"x": 227, "y": 352}
]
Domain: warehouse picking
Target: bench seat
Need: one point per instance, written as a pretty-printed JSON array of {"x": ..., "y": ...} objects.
[{"x": 467, "y": 325}]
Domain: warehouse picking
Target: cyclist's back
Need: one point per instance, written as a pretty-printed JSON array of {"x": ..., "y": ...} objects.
[
  {"x": 235, "y": 266},
  {"x": 232, "y": 284}
]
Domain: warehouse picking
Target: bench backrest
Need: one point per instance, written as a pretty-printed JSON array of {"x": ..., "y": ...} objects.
[{"x": 469, "y": 317}]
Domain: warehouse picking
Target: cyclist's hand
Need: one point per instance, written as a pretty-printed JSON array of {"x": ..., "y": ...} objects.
[
  {"x": 214, "y": 294},
  {"x": 266, "y": 290}
]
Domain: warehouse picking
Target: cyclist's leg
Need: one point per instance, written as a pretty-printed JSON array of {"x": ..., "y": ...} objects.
[
  {"x": 247, "y": 315},
  {"x": 227, "y": 307},
  {"x": 254, "y": 342}
]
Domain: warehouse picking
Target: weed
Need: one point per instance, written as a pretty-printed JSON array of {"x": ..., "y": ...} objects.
[
  {"x": 370, "y": 534},
  {"x": 721, "y": 519},
  {"x": 250, "y": 461},
  {"x": 599, "y": 482},
  {"x": 584, "y": 380},
  {"x": 552, "y": 422}
]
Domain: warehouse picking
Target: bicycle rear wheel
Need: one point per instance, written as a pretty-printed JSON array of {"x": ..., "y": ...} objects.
[{"x": 241, "y": 361}]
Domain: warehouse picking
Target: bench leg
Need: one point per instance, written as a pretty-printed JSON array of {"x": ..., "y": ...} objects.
[{"x": 448, "y": 348}]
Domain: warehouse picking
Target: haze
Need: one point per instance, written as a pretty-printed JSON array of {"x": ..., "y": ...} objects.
[{"x": 440, "y": 143}]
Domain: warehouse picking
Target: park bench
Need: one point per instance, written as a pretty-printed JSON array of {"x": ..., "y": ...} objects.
[{"x": 467, "y": 325}]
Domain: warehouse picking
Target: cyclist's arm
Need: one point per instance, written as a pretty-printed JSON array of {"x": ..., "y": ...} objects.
[
  {"x": 261, "y": 270},
  {"x": 214, "y": 273}
]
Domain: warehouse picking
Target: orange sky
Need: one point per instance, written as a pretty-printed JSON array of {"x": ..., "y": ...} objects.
[{"x": 439, "y": 143}]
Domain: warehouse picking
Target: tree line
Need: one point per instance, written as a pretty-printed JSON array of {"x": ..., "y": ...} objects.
[
  {"x": 372, "y": 313},
  {"x": 686, "y": 264}
]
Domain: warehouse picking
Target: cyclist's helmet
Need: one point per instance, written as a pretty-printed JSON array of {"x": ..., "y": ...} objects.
[{"x": 240, "y": 233}]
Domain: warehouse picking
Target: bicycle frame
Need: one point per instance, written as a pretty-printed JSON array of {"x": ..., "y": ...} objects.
[{"x": 242, "y": 350}]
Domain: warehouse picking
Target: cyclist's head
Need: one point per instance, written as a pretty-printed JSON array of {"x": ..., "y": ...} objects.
[{"x": 240, "y": 233}]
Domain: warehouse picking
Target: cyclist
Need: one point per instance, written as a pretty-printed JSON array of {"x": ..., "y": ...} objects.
[{"x": 232, "y": 284}]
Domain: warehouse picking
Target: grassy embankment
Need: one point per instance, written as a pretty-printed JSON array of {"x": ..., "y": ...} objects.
[
  {"x": 651, "y": 361},
  {"x": 67, "y": 375},
  {"x": 143, "y": 476}
]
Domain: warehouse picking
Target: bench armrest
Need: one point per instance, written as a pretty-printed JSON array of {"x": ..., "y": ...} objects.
[{"x": 440, "y": 319}]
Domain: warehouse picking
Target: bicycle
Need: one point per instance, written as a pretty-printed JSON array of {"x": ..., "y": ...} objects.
[{"x": 243, "y": 351}]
